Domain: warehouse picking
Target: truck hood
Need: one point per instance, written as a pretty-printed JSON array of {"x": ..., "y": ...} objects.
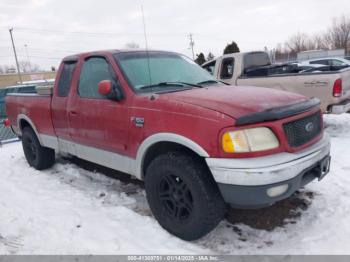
[{"x": 236, "y": 101}]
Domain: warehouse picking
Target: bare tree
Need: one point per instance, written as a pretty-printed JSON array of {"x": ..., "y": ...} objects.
[
  {"x": 299, "y": 42},
  {"x": 338, "y": 35},
  {"x": 210, "y": 56},
  {"x": 320, "y": 42},
  {"x": 27, "y": 67}
]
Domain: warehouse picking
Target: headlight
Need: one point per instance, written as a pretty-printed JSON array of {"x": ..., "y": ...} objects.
[{"x": 249, "y": 140}]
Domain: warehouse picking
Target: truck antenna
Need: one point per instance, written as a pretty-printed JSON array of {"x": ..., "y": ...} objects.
[
  {"x": 190, "y": 36},
  {"x": 146, "y": 43}
]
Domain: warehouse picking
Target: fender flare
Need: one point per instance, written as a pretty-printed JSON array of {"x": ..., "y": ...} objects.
[
  {"x": 26, "y": 118},
  {"x": 164, "y": 137}
]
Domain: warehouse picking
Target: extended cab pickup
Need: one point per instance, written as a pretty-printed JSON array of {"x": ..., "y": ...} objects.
[
  {"x": 195, "y": 142},
  {"x": 330, "y": 84}
]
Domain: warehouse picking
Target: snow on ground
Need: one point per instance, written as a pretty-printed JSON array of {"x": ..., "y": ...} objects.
[{"x": 69, "y": 210}]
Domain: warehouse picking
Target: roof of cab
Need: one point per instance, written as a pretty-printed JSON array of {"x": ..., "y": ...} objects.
[{"x": 75, "y": 57}]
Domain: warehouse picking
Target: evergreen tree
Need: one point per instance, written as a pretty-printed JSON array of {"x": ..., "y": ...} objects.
[
  {"x": 231, "y": 48},
  {"x": 200, "y": 59}
]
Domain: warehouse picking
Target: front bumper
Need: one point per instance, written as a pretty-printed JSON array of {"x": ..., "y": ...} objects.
[
  {"x": 245, "y": 182},
  {"x": 341, "y": 108}
]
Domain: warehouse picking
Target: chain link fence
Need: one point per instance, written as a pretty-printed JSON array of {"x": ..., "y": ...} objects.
[{"x": 6, "y": 134}]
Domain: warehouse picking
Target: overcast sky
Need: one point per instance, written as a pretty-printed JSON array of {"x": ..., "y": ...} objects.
[{"x": 46, "y": 26}]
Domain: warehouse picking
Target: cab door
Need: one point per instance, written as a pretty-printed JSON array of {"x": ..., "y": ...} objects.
[
  {"x": 60, "y": 99},
  {"x": 96, "y": 121}
]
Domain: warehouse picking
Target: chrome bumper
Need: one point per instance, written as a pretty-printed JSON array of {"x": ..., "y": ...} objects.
[
  {"x": 268, "y": 169},
  {"x": 340, "y": 108}
]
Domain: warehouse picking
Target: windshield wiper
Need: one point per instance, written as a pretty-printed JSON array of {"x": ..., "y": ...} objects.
[
  {"x": 208, "y": 82},
  {"x": 169, "y": 84},
  {"x": 212, "y": 82}
]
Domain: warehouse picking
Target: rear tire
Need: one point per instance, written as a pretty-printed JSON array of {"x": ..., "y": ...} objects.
[
  {"x": 183, "y": 195},
  {"x": 37, "y": 156}
]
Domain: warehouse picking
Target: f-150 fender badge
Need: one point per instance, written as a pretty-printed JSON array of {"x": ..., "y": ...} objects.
[{"x": 138, "y": 121}]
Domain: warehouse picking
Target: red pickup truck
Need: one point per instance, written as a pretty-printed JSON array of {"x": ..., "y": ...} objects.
[{"x": 197, "y": 143}]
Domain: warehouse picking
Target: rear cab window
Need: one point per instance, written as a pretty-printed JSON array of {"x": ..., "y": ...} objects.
[
  {"x": 64, "y": 83},
  {"x": 227, "y": 67},
  {"x": 255, "y": 59}
]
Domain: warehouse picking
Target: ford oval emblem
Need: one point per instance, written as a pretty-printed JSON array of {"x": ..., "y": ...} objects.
[{"x": 309, "y": 127}]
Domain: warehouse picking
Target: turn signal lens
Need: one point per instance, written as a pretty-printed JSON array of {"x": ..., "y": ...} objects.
[
  {"x": 249, "y": 140},
  {"x": 227, "y": 144}
]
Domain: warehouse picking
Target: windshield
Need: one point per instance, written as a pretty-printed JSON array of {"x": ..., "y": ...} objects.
[{"x": 143, "y": 69}]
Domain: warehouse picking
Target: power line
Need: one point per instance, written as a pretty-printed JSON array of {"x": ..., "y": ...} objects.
[
  {"x": 140, "y": 34},
  {"x": 45, "y": 57},
  {"x": 41, "y": 57},
  {"x": 37, "y": 30}
]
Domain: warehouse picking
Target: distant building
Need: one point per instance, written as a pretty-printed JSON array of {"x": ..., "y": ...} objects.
[{"x": 11, "y": 70}]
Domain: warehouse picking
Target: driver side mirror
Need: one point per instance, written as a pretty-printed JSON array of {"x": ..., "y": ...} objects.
[{"x": 108, "y": 89}]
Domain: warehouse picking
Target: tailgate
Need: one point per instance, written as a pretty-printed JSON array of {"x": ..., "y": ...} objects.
[
  {"x": 32, "y": 108},
  {"x": 345, "y": 76}
]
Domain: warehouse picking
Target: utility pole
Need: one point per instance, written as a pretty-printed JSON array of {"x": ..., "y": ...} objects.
[
  {"x": 14, "y": 50},
  {"x": 26, "y": 48},
  {"x": 191, "y": 45}
]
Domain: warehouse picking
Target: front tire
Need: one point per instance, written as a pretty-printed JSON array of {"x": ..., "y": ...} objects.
[
  {"x": 37, "y": 156},
  {"x": 183, "y": 195}
]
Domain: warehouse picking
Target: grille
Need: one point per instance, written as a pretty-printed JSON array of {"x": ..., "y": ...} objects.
[{"x": 301, "y": 131}]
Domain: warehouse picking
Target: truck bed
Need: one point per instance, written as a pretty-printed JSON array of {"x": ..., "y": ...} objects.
[
  {"x": 311, "y": 84},
  {"x": 288, "y": 69},
  {"x": 36, "y": 107}
]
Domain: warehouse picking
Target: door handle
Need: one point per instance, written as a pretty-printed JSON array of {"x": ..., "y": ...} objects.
[{"x": 73, "y": 113}]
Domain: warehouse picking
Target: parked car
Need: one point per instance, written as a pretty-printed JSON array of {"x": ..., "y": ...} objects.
[
  {"x": 305, "y": 67},
  {"x": 197, "y": 143},
  {"x": 330, "y": 61},
  {"x": 331, "y": 85}
]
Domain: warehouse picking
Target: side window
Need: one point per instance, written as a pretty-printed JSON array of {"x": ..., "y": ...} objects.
[
  {"x": 320, "y": 62},
  {"x": 94, "y": 70},
  {"x": 227, "y": 68},
  {"x": 64, "y": 82},
  {"x": 336, "y": 62},
  {"x": 210, "y": 67}
]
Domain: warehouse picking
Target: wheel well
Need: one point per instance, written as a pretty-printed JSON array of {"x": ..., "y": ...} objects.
[
  {"x": 163, "y": 147},
  {"x": 24, "y": 123}
]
